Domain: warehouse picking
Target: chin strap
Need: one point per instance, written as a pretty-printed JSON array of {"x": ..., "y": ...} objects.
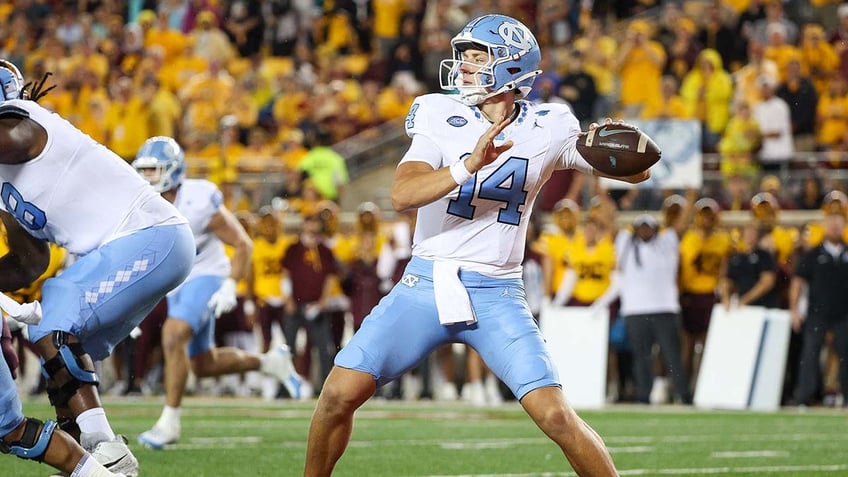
[{"x": 478, "y": 95}]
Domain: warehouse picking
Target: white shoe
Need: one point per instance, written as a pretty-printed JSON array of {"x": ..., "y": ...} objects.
[
  {"x": 493, "y": 392},
  {"x": 659, "y": 391},
  {"x": 447, "y": 392},
  {"x": 159, "y": 437},
  {"x": 278, "y": 363},
  {"x": 115, "y": 455},
  {"x": 118, "y": 389},
  {"x": 270, "y": 386},
  {"x": 474, "y": 393}
]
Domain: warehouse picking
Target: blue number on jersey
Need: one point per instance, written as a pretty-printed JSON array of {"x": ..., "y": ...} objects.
[
  {"x": 410, "y": 118},
  {"x": 26, "y": 213},
  {"x": 506, "y": 185}
]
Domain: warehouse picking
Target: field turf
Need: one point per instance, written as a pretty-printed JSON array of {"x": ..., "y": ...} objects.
[{"x": 235, "y": 437}]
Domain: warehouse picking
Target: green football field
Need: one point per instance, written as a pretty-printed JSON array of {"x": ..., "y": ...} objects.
[{"x": 233, "y": 437}]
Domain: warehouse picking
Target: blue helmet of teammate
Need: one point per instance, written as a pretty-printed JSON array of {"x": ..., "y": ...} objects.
[
  {"x": 11, "y": 81},
  {"x": 162, "y": 162},
  {"x": 514, "y": 58}
]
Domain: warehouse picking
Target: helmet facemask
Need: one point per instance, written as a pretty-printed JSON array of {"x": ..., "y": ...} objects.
[
  {"x": 161, "y": 162},
  {"x": 452, "y": 76},
  {"x": 513, "y": 59}
]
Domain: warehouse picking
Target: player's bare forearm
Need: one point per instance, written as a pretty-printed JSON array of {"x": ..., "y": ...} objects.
[
  {"x": 241, "y": 260},
  {"x": 416, "y": 184},
  {"x": 227, "y": 228}
]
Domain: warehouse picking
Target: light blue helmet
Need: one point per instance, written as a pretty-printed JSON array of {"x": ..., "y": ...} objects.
[
  {"x": 162, "y": 162},
  {"x": 11, "y": 82},
  {"x": 514, "y": 58}
]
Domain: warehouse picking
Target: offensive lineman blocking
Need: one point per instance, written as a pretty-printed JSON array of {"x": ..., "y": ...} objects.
[
  {"x": 473, "y": 170},
  {"x": 132, "y": 247}
]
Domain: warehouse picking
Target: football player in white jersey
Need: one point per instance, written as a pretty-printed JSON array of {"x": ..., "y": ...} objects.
[
  {"x": 473, "y": 170},
  {"x": 131, "y": 246},
  {"x": 188, "y": 335}
]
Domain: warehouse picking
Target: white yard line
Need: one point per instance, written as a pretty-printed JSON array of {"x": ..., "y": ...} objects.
[
  {"x": 751, "y": 453},
  {"x": 770, "y": 470},
  {"x": 615, "y": 442}
]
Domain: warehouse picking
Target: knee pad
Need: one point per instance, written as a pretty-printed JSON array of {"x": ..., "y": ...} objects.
[
  {"x": 34, "y": 442},
  {"x": 67, "y": 358}
]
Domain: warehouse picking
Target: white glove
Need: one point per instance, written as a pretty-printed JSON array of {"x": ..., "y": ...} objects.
[
  {"x": 386, "y": 285},
  {"x": 224, "y": 300},
  {"x": 29, "y": 313},
  {"x": 249, "y": 307},
  {"x": 311, "y": 311}
]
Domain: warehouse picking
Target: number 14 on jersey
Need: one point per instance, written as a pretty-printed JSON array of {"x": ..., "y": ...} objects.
[{"x": 505, "y": 184}]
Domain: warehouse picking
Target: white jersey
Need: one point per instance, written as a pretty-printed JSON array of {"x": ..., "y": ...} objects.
[
  {"x": 77, "y": 193},
  {"x": 199, "y": 200},
  {"x": 482, "y": 225}
]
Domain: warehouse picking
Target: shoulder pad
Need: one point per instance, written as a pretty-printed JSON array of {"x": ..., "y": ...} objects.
[
  {"x": 12, "y": 111},
  {"x": 430, "y": 111},
  {"x": 551, "y": 109}
]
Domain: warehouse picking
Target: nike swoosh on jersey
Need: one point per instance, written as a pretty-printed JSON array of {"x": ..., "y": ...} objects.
[{"x": 610, "y": 132}]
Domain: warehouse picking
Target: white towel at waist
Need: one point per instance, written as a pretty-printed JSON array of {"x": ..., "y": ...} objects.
[{"x": 452, "y": 301}]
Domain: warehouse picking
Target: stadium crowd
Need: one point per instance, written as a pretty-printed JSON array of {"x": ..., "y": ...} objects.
[{"x": 251, "y": 86}]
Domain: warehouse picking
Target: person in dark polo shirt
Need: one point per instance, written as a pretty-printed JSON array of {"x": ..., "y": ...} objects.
[
  {"x": 752, "y": 271},
  {"x": 823, "y": 271},
  {"x": 314, "y": 272}
]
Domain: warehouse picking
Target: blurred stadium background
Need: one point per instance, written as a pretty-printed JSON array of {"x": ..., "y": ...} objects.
[{"x": 296, "y": 107}]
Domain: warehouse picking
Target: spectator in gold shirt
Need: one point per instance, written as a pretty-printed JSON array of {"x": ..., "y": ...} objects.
[
  {"x": 779, "y": 49},
  {"x": 669, "y": 105},
  {"x": 210, "y": 42},
  {"x": 707, "y": 91},
  {"x": 704, "y": 251},
  {"x": 600, "y": 52},
  {"x": 832, "y": 114},
  {"x": 127, "y": 120},
  {"x": 741, "y": 138},
  {"x": 745, "y": 79},
  {"x": 555, "y": 242},
  {"x": 206, "y": 99},
  {"x": 161, "y": 34},
  {"x": 818, "y": 57},
  {"x": 591, "y": 261},
  {"x": 640, "y": 63}
]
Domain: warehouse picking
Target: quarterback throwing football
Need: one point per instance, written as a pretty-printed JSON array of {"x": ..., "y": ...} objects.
[{"x": 473, "y": 170}]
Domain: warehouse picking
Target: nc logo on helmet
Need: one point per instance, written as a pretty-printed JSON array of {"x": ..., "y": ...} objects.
[{"x": 516, "y": 36}]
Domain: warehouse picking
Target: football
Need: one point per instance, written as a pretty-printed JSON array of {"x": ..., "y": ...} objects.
[{"x": 618, "y": 149}]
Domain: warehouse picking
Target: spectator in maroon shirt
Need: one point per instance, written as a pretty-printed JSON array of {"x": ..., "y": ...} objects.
[
  {"x": 314, "y": 272},
  {"x": 362, "y": 282}
]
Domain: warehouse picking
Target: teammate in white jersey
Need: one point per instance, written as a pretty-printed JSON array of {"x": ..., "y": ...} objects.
[
  {"x": 473, "y": 171},
  {"x": 188, "y": 335},
  {"x": 132, "y": 247}
]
